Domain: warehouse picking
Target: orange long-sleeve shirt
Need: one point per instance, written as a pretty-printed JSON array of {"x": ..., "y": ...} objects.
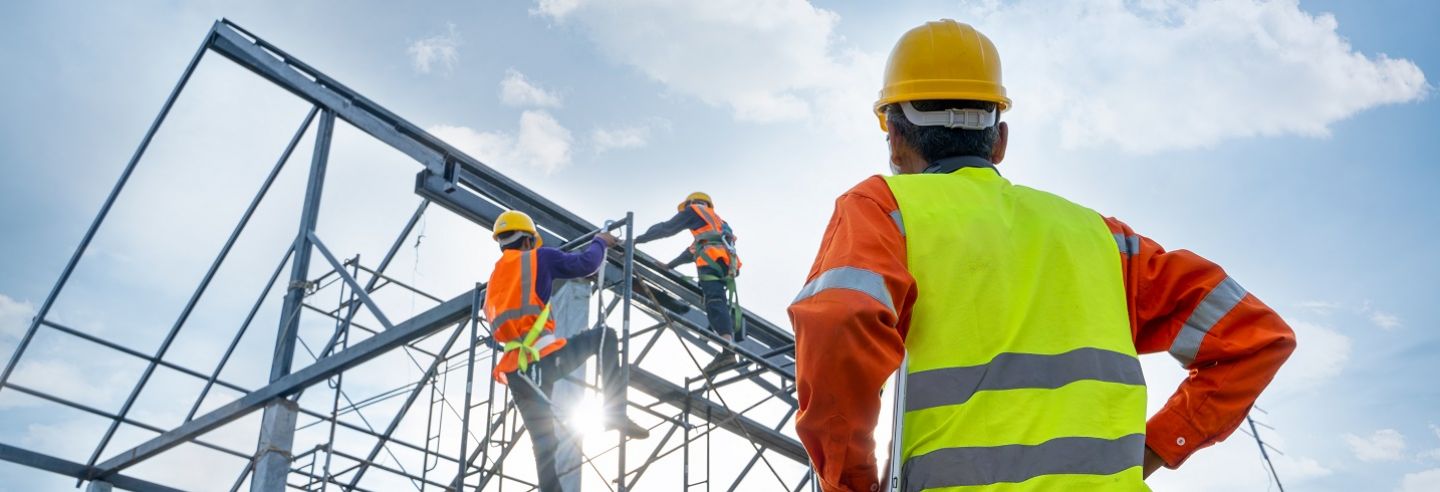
[{"x": 848, "y": 342}]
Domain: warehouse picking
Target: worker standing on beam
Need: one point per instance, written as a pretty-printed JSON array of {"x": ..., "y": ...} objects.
[
  {"x": 517, "y": 306},
  {"x": 1019, "y": 315},
  {"x": 716, "y": 265}
]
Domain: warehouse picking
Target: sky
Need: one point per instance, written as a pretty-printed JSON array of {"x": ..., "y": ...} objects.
[{"x": 1289, "y": 141}]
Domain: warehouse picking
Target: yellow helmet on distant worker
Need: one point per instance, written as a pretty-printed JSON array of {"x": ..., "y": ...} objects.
[
  {"x": 942, "y": 59},
  {"x": 699, "y": 195},
  {"x": 515, "y": 220}
]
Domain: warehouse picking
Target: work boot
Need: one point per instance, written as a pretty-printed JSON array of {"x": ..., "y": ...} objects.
[
  {"x": 628, "y": 427},
  {"x": 723, "y": 359}
]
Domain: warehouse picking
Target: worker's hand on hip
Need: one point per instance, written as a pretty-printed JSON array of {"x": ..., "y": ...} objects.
[
  {"x": 1152, "y": 462},
  {"x": 610, "y": 240}
]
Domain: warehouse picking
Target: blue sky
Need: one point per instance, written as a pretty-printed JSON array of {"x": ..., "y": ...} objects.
[{"x": 1291, "y": 142}]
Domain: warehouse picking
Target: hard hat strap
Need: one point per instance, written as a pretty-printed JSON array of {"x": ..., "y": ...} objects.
[
  {"x": 512, "y": 237},
  {"x": 962, "y": 118}
]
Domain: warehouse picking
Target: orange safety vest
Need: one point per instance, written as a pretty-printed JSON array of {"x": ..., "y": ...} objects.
[
  {"x": 513, "y": 310},
  {"x": 710, "y": 245}
]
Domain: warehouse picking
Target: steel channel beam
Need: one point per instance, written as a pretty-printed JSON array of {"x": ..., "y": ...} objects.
[
  {"x": 72, "y": 469},
  {"x": 300, "y": 79},
  {"x": 423, "y": 324}
]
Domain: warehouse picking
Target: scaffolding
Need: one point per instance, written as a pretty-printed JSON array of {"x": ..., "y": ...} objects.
[{"x": 447, "y": 342}]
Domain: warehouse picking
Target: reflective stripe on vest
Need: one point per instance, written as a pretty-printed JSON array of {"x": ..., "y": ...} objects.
[
  {"x": 709, "y": 239},
  {"x": 1022, "y": 373},
  {"x": 511, "y": 312}
]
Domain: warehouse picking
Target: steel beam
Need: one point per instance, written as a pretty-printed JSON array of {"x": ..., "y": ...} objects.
[
  {"x": 272, "y": 457},
  {"x": 423, "y": 324},
  {"x": 65, "y": 467},
  {"x": 438, "y": 157}
]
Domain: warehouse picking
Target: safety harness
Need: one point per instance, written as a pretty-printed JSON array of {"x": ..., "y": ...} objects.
[
  {"x": 726, "y": 272},
  {"x": 527, "y": 349}
]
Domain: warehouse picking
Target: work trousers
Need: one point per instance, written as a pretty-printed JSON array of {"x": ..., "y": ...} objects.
[
  {"x": 717, "y": 303},
  {"x": 540, "y": 418}
]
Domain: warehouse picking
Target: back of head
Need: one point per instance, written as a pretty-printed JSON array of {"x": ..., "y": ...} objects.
[{"x": 939, "y": 142}]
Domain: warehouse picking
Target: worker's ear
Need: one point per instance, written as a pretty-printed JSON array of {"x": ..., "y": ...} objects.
[
  {"x": 997, "y": 154},
  {"x": 896, "y": 144}
]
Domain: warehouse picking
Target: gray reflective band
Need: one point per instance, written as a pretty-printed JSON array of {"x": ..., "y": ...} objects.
[
  {"x": 527, "y": 284},
  {"x": 957, "y": 467},
  {"x": 956, "y": 385},
  {"x": 856, "y": 279},
  {"x": 900, "y": 223},
  {"x": 513, "y": 314},
  {"x": 1129, "y": 244},
  {"x": 709, "y": 218},
  {"x": 1216, "y": 305}
]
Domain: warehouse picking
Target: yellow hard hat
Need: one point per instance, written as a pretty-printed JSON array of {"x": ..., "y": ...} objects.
[
  {"x": 515, "y": 220},
  {"x": 942, "y": 59},
  {"x": 699, "y": 195}
]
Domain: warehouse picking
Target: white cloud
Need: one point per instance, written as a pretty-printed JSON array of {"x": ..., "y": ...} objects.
[
  {"x": 774, "y": 60},
  {"x": 1384, "y": 320},
  {"x": 620, "y": 138},
  {"x": 516, "y": 90},
  {"x": 1423, "y": 481},
  {"x": 542, "y": 142},
  {"x": 1383, "y": 445},
  {"x": 438, "y": 51},
  {"x": 1324, "y": 354},
  {"x": 1436, "y": 429},
  {"x": 1178, "y": 74},
  {"x": 1323, "y": 308},
  {"x": 626, "y": 137},
  {"x": 15, "y": 317}
]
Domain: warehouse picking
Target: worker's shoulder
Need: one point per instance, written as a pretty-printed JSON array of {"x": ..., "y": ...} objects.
[
  {"x": 547, "y": 253},
  {"x": 1054, "y": 199},
  {"x": 873, "y": 189}
]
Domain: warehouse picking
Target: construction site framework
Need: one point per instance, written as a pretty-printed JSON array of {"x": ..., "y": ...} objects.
[{"x": 692, "y": 406}]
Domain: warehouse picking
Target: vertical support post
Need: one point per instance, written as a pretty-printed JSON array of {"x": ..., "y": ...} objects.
[
  {"x": 627, "y": 290},
  {"x": 475, "y": 302},
  {"x": 277, "y": 433},
  {"x": 568, "y": 307},
  {"x": 99, "y": 486},
  {"x": 277, "y": 436}
]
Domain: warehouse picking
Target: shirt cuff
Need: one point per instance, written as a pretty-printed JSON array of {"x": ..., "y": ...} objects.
[{"x": 1172, "y": 438}]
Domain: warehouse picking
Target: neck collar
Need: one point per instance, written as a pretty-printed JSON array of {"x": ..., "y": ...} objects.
[{"x": 951, "y": 164}]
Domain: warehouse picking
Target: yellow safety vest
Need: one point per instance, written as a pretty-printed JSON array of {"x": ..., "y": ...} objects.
[{"x": 1022, "y": 370}]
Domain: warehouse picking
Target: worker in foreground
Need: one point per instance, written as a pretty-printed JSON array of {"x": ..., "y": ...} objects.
[
  {"x": 1019, "y": 315},
  {"x": 518, "y": 310},
  {"x": 716, "y": 265}
]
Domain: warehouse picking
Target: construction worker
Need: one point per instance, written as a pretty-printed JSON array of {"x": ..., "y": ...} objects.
[
  {"x": 1019, "y": 315},
  {"x": 517, "y": 308},
  {"x": 716, "y": 265}
]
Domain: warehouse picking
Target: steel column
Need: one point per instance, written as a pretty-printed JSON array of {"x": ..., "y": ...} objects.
[{"x": 272, "y": 459}]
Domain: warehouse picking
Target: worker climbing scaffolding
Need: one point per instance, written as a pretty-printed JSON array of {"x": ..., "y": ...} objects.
[
  {"x": 517, "y": 305},
  {"x": 716, "y": 266}
]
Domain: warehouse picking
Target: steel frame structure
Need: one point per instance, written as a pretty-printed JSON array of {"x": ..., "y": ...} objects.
[{"x": 463, "y": 185}]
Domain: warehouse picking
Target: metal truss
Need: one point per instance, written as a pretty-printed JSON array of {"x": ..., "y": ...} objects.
[{"x": 446, "y": 341}]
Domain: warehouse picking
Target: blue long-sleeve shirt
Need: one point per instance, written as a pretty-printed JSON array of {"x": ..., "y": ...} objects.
[{"x": 552, "y": 264}]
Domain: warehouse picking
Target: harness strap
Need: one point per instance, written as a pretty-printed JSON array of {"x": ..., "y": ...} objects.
[{"x": 527, "y": 349}]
